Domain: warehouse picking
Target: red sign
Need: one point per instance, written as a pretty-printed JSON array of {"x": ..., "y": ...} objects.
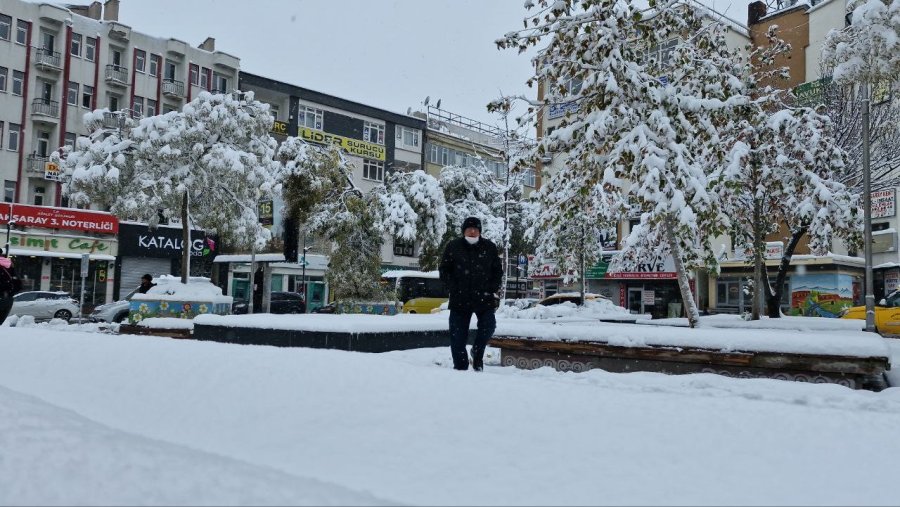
[
  {"x": 60, "y": 218},
  {"x": 640, "y": 275}
]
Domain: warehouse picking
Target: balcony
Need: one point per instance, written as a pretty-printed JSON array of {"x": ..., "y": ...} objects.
[
  {"x": 37, "y": 164},
  {"x": 47, "y": 59},
  {"x": 113, "y": 120},
  {"x": 172, "y": 88},
  {"x": 116, "y": 75},
  {"x": 45, "y": 109}
]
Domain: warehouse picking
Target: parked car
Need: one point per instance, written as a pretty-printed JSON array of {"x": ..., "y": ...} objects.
[
  {"x": 887, "y": 314},
  {"x": 116, "y": 311},
  {"x": 329, "y": 308},
  {"x": 44, "y": 305},
  {"x": 570, "y": 297},
  {"x": 281, "y": 302}
]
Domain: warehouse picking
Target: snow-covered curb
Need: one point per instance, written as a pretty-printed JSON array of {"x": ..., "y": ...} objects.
[{"x": 784, "y": 323}]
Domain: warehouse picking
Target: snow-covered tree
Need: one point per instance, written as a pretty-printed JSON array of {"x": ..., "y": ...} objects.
[
  {"x": 868, "y": 50},
  {"x": 319, "y": 192},
  {"x": 209, "y": 165},
  {"x": 645, "y": 130},
  {"x": 412, "y": 208}
]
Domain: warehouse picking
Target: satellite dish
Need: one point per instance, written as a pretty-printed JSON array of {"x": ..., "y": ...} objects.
[
  {"x": 408, "y": 111},
  {"x": 427, "y": 99},
  {"x": 439, "y": 103}
]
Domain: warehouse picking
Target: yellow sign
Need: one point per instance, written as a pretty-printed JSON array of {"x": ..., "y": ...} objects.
[
  {"x": 280, "y": 127},
  {"x": 351, "y": 146},
  {"x": 51, "y": 171}
]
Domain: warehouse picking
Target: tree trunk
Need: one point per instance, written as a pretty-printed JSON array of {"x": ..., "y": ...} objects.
[
  {"x": 775, "y": 294},
  {"x": 759, "y": 259},
  {"x": 687, "y": 297},
  {"x": 185, "y": 240}
]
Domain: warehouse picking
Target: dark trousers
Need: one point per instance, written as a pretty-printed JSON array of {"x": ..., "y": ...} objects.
[
  {"x": 6, "y": 302},
  {"x": 459, "y": 335}
]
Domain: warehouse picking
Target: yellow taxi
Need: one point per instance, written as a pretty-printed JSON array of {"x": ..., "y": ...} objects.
[
  {"x": 423, "y": 305},
  {"x": 887, "y": 314}
]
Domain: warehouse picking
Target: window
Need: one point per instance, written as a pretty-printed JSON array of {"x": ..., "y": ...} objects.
[
  {"x": 12, "y": 142},
  {"x": 373, "y": 170},
  {"x": 138, "y": 105},
  {"x": 530, "y": 178},
  {"x": 9, "y": 191},
  {"x": 72, "y": 94},
  {"x": 75, "y": 48},
  {"x": 373, "y": 132},
  {"x": 1, "y": 135},
  {"x": 168, "y": 109},
  {"x": 43, "y": 144},
  {"x": 5, "y": 26},
  {"x": 408, "y": 137},
  {"x": 90, "y": 48},
  {"x": 169, "y": 70},
  {"x": 113, "y": 103},
  {"x": 87, "y": 96},
  {"x": 204, "y": 78},
  {"x": 273, "y": 110},
  {"x": 48, "y": 41},
  {"x": 310, "y": 117},
  {"x": 151, "y": 107},
  {"x": 18, "y": 82},
  {"x": 4, "y": 75},
  {"x": 116, "y": 59},
  {"x": 39, "y": 196},
  {"x": 221, "y": 83},
  {"x": 21, "y": 31},
  {"x": 154, "y": 65},
  {"x": 194, "y": 76},
  {"x": 140, "y": 60},
  {"x": 69, "y": 140}
]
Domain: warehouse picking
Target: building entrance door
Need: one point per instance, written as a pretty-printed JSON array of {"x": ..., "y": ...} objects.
[{"x": 635, "y": 301}]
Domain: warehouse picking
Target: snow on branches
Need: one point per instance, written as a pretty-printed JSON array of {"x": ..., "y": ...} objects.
[{"x": 868, "y": 50}]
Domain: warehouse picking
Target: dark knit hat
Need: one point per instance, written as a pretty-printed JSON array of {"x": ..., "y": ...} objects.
[{"x": 471, "y": 222}]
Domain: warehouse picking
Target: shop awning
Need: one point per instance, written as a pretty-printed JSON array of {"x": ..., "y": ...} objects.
[
  {"x": 262, "y": 257},
  {"x": 65, "y": 255}
]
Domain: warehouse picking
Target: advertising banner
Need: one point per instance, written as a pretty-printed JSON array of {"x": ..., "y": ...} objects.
[
  {"x": 352, "y": 146},
  {"x": 59, "y": 218}
]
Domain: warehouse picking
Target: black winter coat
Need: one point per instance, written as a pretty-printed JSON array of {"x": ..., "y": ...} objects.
[{"x": 472, "y": 274}]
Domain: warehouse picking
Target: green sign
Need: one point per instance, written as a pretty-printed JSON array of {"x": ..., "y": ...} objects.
[
  {"x": 811, "y": 94},
  {"x": 597, "y": 271}
]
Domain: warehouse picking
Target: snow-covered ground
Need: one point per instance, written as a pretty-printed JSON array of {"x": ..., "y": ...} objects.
[{"x": 100, "y": 418}]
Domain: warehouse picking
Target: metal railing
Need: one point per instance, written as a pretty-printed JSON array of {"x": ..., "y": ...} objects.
[
  {"x": 47, "y": 58},
  {"x": 116, "y": 74},
  {"x": 173, "y": 88},
  {"x": 45, "y": 107},
  {"x": 36, "y": 163}
]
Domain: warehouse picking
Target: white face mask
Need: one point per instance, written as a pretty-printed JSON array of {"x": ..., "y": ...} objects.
[{"x": 471, "y": 241}]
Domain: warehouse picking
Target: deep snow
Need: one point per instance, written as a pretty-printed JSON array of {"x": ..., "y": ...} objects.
[{"x": 404, "y": 427}]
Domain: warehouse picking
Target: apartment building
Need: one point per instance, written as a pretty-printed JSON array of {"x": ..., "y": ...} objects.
[
  {"x": 56, "y": 64},
  {"x": 374, "y": 141}
]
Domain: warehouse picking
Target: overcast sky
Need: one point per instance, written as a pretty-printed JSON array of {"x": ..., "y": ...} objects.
[{"x": 386, "y": 53}]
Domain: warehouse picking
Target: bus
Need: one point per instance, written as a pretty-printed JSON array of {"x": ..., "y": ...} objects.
[{"x": 419, "y": 291}]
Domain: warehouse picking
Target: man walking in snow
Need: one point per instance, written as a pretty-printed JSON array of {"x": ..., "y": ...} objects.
[{"x": 472, "y": 271}]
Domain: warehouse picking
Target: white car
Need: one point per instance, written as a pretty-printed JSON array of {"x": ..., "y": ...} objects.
[
  {"x": 44, "y": 305},
  {"x": 113, "y": 312}
]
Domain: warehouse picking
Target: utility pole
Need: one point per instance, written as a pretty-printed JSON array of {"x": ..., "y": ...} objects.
[
  {"x": 867, "y": 210},
  {"x": 305, "y": 293}
]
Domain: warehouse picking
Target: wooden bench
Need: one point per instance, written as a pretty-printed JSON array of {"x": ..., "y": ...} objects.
[{"x": 577, "y": 356}]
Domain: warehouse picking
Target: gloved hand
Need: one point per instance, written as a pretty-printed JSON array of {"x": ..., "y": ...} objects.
[{"x": 492, "y": 300}]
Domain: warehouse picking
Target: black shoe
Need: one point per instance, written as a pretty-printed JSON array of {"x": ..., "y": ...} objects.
[
  {"x": 461, "y": 367},
  {"x": 477, "y": 364}
]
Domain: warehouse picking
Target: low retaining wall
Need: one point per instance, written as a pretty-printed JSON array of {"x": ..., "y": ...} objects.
[
  {"x": 357, "y": 342},
  {"x": 853, "y": 372}
]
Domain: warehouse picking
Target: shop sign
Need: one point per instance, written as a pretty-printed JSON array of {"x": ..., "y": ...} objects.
[
  {"x": 59, "y": 218},
  {"x": 51, "y": 171},
  {"x": 884, "y": 203},
  {"x": 597, "y": 271},
  {"x": 137, "y": 240},
  {"x": 351, "y": 146},
  {"x": 266, "y": 213},
  {"x": 280, "y": 127},
  {"x": 649, "y": 297},
  {"x": 663, "y": 270},
  {"x": 560, "y": 110},
  {"x": 891, "y": 281},
  {"x": 57, "y": 244}
]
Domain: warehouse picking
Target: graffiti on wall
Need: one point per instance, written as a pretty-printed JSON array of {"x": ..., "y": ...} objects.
[{"x": 821, "y": 295}]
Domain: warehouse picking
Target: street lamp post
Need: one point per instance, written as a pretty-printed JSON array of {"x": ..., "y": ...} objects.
[
  {"x": 305, "y": 293},
  {"x": 9, "y": 224},
  {"x": 867, "y": 210}
]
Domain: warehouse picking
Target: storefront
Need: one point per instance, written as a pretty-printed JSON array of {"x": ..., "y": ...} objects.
[
  {"x": 158, "y": 252},
  {"x": 819, "y": 286},
  {"x": 48, "y": 243}
]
